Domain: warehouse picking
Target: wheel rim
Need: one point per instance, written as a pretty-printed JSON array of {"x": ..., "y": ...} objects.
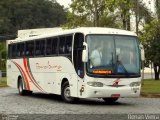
[
  {"x": 67, "y": 94},
  {"x": 20, "y": 88}
]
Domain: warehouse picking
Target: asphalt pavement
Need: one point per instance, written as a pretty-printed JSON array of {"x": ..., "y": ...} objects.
[{"x": 47, "y": 106}]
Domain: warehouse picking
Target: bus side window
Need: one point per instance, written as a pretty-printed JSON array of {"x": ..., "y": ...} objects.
[
  {"x": 10, "y": 51},
  {"x": 54, "y": 46},
  {"x": 62, "y": 45},
  {"x": 14, "y": 50},
  {"x": 20, "y": 49},
  {"x": 68, "y": 45},
  {"x": 29, "y": 48},
  {"x": 39, "y": 49},
  {"x": 42, "y": 48},
  {"x": 49, "y": 46}
]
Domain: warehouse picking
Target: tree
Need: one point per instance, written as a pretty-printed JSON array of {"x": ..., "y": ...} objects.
[
  {"x": 27, "y": 14},
  {"x": 91, "y": 8},
  {"x": 124, "y": 11},
  {"x": 106, "y": 13},
  {"x": 157, "y": 6},
  {"x": 150, "y": 38},
  {"x": 91, "y": 13},
  {"x": 2, "y": 55}
]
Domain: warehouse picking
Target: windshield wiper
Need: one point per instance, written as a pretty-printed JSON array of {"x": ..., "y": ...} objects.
[{"x": 119, "y": 63}]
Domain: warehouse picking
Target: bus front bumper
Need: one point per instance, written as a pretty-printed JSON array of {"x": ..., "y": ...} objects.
[{"x": 107, "y": 91}]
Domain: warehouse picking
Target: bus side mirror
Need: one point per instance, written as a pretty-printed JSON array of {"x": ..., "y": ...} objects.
[
  {"x": 142, "y": 52},
  {"x": 85, "y": 52}
]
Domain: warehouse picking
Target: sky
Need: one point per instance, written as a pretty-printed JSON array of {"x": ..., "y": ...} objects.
[
  {"x": 150, "y": 4},
  {"x": 65, "y": 3}
]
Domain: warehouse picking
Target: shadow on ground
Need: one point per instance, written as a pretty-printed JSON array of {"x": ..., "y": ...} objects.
[{"x": 92, "y": 101}]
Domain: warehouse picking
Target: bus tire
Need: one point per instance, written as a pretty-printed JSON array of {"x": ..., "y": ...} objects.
[
  {"x": 20, "y": 87},
  {"x": 65, "y": 93},
  {"x": 110, "y": 100}
]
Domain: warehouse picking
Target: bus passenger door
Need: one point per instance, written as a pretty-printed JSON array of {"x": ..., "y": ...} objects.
[{"x": 77, "y": 59}]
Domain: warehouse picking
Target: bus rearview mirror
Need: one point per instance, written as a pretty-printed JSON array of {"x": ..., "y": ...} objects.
[{"x": 84, "y": 56}]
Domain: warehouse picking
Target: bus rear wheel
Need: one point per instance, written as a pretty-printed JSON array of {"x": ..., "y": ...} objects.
[
  {"x": 65, "y": 93},
  {"x": 20, "y": 87},
  {"x": 21, "y": 90},
  {"x": 110, "y": 100}
]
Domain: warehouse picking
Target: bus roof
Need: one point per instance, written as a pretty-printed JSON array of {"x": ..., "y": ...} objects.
[{"x": 84, "y": 30}]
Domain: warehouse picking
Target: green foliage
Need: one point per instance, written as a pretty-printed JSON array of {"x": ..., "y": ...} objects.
[
  {"x": 91, "y": 13},
  {"x": 157, "y": 6},
  {"x": 142, "y": 11},
  {"x": 150, "y": 37},
  {"x": 75, "y": 21},
  {"x": 105, "y": 13},
  {"x": 3, "y": 55},
  {"x": 26, "y": 14}
]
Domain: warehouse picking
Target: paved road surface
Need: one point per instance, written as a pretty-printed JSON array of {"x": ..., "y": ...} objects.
[{"x": 43, "y": 105}]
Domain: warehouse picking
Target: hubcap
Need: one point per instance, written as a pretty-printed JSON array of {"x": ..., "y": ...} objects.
[
  {"x": 67, "y": 92},
  {"x": 20, "y": 88}
]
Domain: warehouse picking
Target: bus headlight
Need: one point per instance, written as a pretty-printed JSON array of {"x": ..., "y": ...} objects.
[
  {"x": 95, "y": 84},
  {"x": 134, "y": 84}
]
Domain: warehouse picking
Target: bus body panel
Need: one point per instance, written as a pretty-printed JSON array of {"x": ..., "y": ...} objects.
[{"x": 43, "y": 74}]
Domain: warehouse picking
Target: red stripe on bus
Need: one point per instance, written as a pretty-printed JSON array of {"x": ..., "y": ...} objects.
[
  {"x": 27, "y": 71},
  {"x": 25, "y": 77}
]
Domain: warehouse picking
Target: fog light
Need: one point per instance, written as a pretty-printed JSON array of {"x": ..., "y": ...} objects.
[
  {"x": 134, "y": 84},
  {"x": 135, "y": 89}
]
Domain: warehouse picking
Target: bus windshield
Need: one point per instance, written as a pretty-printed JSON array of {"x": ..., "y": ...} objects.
[{"x": 113, "y": 55}]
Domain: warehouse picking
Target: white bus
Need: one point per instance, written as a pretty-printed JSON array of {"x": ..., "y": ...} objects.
[{"x": 61, "y": 63}]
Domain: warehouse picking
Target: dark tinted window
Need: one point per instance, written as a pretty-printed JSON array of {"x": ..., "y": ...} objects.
[
  {"x": 14, "y": 51},
  {"x": 65, "y": 44},
  {"x": 68, "y": 44},
  {"x": 54, "y": 46},
  {"x": 20, "y": 49},
  {"x": 10, "y": 51},
  {"x": 62, "y": 45},
  {"x": 29, "y": 48},
  {"x": 51, "y": 46},
  {"x": 39, "y": 47}
]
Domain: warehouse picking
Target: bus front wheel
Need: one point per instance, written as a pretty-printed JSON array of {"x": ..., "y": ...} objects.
[
  {"x": 110, "y": 100},
  {"x": 66, "y": 93}
]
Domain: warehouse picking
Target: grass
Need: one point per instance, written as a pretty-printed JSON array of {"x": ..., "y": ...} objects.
[
  {"x": 3, "y": 82},
  {"x": 150, "y": 86}
]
